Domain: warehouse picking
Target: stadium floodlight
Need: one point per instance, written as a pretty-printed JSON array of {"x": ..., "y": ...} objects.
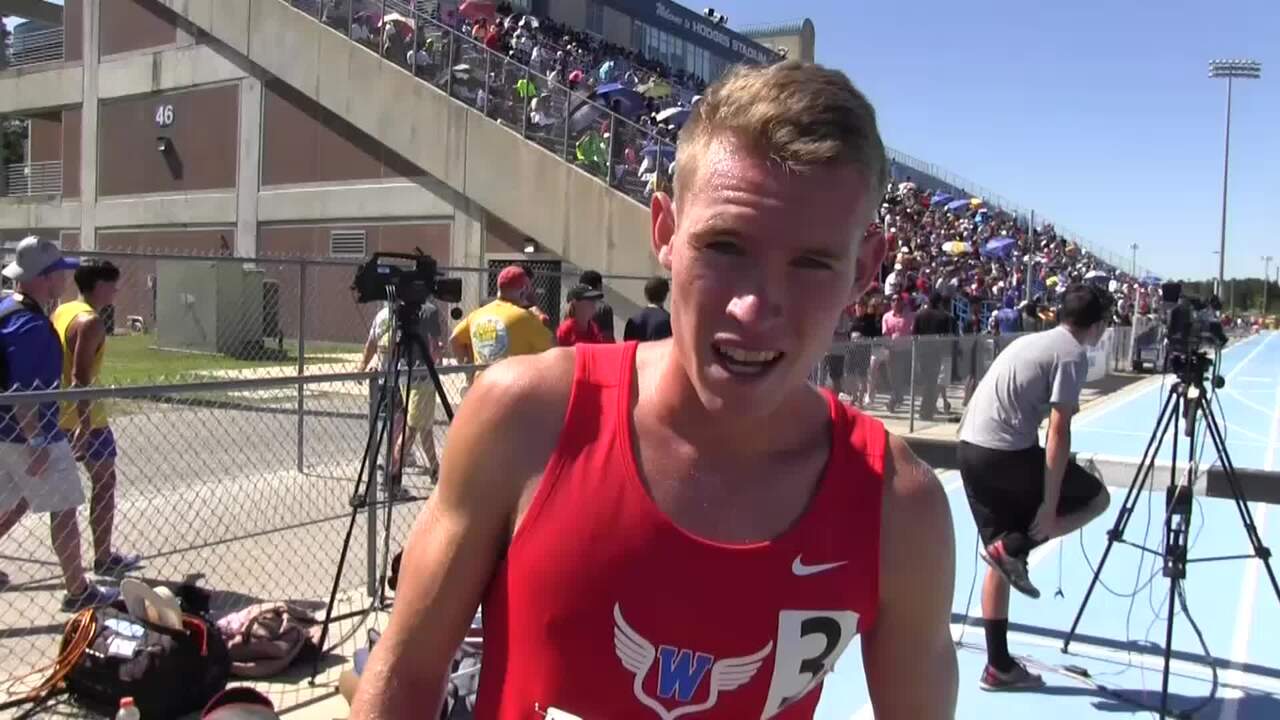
[{"x": 1231, "y": 70}]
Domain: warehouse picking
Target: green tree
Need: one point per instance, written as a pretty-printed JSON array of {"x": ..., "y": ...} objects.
[{"x": 13, "y": 140}]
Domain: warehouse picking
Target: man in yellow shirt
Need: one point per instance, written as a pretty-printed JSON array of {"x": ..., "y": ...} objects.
[
  {"x": 84, "y": 344},
  {"x": 502, "y": 328}
]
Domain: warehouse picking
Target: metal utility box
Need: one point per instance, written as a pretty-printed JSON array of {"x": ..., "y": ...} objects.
[{"x": 213, "y": 307}]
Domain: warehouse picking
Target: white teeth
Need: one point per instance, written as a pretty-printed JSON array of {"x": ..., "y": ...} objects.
[{"x": 749, "y": 356}]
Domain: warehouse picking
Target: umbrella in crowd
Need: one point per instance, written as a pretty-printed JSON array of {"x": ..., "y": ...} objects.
[
  {"x": 479, "y": 10},
  {"x": 940, "y": 199},
  {"x": 674, "y": 116},
  {"x": 667, "y": 150},
  {"x": 957, "y": 206},
  {"x": 656, "y": 89},
  {"x": 630, "y": 102},
  {"x": 955, "y": 247},
  {"x": 1000, "y": 247}
]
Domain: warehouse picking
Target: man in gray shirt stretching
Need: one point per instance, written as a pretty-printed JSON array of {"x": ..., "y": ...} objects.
[{"x": 1021, "y": 494}]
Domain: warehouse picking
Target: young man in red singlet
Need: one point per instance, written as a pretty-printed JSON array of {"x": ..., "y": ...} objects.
[{"x": 687, "y": 527}]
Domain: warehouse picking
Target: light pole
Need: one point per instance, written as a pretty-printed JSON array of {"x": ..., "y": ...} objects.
[
  {"x": 1133, "y": 268},
  {"x": 1229, "y": 69},
  {"x": 1266, "y": 280}
]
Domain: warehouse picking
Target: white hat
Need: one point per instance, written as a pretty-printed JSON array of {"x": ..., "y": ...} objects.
[
  {"x": 156, "y": 606},
  {"x": 36, "y": 256}
]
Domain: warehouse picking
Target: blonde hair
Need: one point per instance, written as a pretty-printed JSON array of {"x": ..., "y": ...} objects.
[{"x": 800, "y": 114}]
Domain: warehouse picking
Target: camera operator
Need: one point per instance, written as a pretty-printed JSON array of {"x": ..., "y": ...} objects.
[
  {"x": 1021, "y": 494},
  {"x": 421, "y": 412}
]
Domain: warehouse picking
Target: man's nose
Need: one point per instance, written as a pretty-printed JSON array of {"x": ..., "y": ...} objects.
[{"x": 756, "y": 307}]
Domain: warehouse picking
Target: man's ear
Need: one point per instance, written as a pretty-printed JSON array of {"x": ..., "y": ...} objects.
[
  {"x": 662, "y": 212},
  {"x": 870, "y": 258}
]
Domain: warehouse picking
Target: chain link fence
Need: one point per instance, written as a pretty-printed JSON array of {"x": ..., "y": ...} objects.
[
  {"x": 923, "y": 382},
  {"x": 186, "y": 317},
  {"x": 207, "y": 489}
]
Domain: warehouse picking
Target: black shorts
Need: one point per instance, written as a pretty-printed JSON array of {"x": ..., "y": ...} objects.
[
  {"x": 1005, "y": 488},
  {"x": 835, "y": 365}
]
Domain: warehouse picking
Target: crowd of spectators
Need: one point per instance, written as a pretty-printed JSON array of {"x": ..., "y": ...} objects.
[{"x": 983, "y": 267}]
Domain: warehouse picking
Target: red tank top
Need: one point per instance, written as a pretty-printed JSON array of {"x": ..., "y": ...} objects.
[{"x": 603, "y": 608}]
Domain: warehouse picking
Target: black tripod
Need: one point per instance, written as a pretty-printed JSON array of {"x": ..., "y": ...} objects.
[
  {"x": 1187, "y": 401},
  {"x": 407, "y": 352}
]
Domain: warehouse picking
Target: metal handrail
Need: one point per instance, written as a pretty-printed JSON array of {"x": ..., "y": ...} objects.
[
  {"x": 32, "y": 48},
  {"x": 37, "y": 178},
  {"x": 557, "y": 136}
]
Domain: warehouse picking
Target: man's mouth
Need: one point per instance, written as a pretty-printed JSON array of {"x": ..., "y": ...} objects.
[{"x": 744, "y": 362}]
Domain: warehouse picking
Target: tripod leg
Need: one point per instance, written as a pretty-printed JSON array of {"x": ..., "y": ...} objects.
[
  {"x": 1145, "y": 469},
  {"x": 1246, "y": 515},
  {"x": 1168, "y": 649}
]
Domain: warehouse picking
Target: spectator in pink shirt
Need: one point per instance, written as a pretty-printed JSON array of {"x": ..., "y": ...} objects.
[{"x": 896, "y": 326}]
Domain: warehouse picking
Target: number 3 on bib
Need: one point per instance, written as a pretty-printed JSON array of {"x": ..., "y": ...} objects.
[{"x": 809, "y": 643}]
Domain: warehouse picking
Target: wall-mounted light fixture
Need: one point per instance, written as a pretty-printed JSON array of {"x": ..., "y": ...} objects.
[
  {"x": 164, "y": 144},
  {"x": 530, "y": 246}
]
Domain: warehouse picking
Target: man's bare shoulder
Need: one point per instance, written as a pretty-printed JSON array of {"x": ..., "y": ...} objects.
[
  {"x": 911, "y": 485},
  {"x": 525, "y": 385},
  {"x": 916, "y": 531},
  {"x": 511, "y": 418}
]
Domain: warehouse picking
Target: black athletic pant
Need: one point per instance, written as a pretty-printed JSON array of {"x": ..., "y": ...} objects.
[{"x": 1005, "y": 489}]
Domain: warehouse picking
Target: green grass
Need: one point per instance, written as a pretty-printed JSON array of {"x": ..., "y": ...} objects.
[{"x": 134, "y": 360}]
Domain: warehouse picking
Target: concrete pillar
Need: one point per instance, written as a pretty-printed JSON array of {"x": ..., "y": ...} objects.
[
  {"x": 89, "y": 128},
  {"x": 249, "y": 166},
  {"x": 466, "y": 248},
  {"x": 185, "y": 37}
]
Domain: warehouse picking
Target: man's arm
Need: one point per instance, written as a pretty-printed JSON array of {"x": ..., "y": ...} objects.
[
  {"x": 1057, "y": 451},
  {"x": 464, "y": 530},
  {"x": 85, "y": 337},
  {"x": 908, "y": 655},
  {"x": 460, "y": 341}
]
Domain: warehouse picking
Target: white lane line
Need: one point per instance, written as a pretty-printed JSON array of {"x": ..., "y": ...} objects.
[
  {"x": 1269, "y": 462},
  {"x": 1082, "y": 649},
  {"x": 1262, "y": 440},
  {"x": 1248, "y": 403},
  {"x": 1235, "y": 370},
  {"x": 1244, "y": 626}
]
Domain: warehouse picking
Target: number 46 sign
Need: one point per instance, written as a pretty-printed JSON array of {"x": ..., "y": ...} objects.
[{"x": 164, "y": 115}]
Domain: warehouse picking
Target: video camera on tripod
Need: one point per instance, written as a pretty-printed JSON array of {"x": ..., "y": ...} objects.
[
  {"x": 412, "y": 278},
  {"x": 1193, "y": 326},
  {"x": 407, "y": 282}
]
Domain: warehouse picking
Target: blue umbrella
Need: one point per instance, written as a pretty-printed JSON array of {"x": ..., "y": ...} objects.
[
  {"x": 1151, "y": 280},
  {"x": 957, "y": 206},
  {"x": 631, "y": 102},
  {"x": 668, "y": 150},
  {"x": 1000, "y": 247},
  {"x": 941, "y": 198}
]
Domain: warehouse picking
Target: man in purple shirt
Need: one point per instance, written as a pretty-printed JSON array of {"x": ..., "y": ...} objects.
[{"x": 37, "y": 468}]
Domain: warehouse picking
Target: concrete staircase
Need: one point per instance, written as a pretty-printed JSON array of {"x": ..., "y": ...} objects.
[{"x": 569, "y": 211}]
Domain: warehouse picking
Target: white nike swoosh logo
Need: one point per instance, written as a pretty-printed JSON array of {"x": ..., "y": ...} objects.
[{"x": 800, "y": 569}]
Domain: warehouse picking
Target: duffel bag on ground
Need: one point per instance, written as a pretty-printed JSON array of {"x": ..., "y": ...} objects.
[{"x": 167, "y": 672}]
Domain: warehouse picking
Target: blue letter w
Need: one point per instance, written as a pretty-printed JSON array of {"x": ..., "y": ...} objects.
[{"x": 680, "y": 672}]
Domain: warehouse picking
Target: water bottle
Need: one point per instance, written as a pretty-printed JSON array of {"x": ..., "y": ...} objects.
[{"x": 128, "y": 711}]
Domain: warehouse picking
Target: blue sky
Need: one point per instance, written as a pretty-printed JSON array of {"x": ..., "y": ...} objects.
[{"x": 1097, "y": 113}]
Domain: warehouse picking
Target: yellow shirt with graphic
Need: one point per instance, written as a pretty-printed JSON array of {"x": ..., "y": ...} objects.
[
  {"x": 68, "y": 414},
  {"x": 502, "y": 329}
]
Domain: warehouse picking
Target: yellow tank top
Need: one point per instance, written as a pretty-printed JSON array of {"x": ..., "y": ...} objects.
[{"x": 62, "y": 318}]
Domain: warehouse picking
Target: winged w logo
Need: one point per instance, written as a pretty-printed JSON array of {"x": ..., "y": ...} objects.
[{"x": 680, "y": 672}]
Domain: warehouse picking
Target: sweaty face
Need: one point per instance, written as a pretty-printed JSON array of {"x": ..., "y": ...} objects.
[{"x": 762, "y": 262}]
